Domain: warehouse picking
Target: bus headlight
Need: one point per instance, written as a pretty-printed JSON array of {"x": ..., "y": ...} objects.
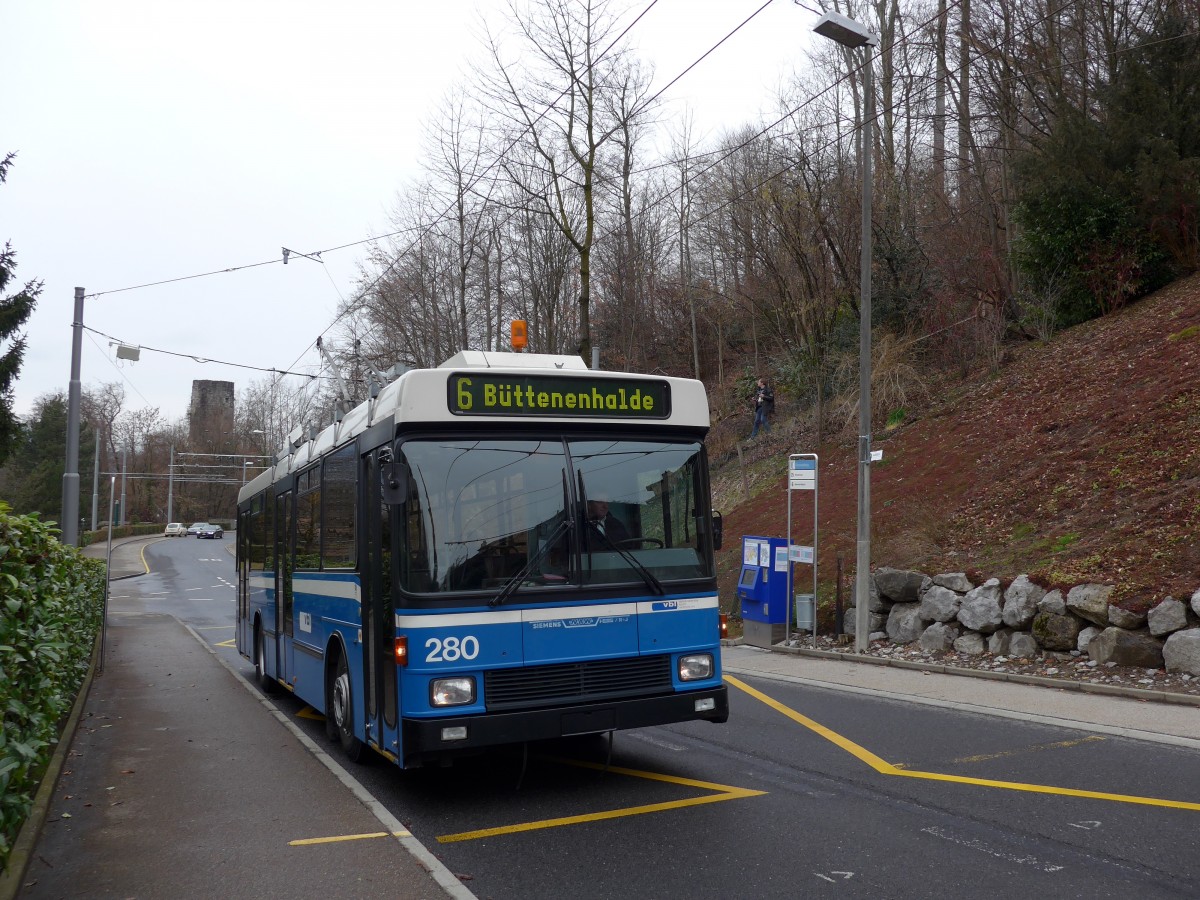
[
  {"x": 455, "y": 691},
  {"x": 696, "y": 667}
]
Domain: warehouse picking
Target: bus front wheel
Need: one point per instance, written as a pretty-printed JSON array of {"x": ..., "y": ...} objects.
[{"x": 339, "y": 712}]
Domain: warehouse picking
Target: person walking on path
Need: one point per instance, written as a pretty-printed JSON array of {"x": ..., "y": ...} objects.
[{"x": 764, "y": 405}]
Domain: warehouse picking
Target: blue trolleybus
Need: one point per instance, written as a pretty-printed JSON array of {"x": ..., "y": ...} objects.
[{"x": 507, "y": 548}]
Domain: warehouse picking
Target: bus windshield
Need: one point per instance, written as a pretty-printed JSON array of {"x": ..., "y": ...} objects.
[{"x": 551, "y": 513}]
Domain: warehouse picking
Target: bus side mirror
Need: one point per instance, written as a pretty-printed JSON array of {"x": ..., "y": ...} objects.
[
  {"x": 394, "y": 483},
  {"x": 718, "y": 529}
]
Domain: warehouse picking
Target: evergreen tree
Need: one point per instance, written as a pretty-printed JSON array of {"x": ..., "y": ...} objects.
[
  {"x": 1108, "y": 201},
  {"x": 15, "y": 310}
]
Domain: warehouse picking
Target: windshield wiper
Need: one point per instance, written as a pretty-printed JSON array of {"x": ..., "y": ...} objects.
[
  {"x": 517, "y": 580},
  {"x": 647, "y": 576}
]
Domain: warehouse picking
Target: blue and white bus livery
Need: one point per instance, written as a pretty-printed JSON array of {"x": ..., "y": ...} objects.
[{"x": 507, "y": 548}]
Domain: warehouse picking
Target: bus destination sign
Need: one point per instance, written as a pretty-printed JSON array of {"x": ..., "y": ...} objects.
[{"x": 476, "y": 394}]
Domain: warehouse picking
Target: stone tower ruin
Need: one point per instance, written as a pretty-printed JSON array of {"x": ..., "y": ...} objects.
[{"x": 210, "y": 414}]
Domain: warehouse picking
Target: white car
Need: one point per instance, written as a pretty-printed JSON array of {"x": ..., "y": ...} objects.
[{"x": 175, "y": 529}]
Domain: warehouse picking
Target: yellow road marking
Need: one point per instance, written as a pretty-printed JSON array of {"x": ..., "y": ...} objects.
[
  {"x": 309, "y": 713},
  {"x": 885, "y": 768},
  {"x": 721, "y": 792},
  {"x": 142, "y": 554},
  {"x": 348, "y": 837},
  {"x": 846, "y": 744},
  {"x": 232, "y": 642}
]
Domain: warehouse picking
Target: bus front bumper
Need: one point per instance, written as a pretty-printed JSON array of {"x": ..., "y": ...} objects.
[{"x": 424, "y": 737}]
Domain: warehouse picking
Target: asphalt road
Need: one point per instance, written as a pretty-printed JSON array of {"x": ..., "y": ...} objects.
[{"x": 805, "y": 791}]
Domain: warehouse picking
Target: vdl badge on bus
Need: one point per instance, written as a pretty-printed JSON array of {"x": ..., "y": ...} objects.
[{"x": 507, "y": 548}]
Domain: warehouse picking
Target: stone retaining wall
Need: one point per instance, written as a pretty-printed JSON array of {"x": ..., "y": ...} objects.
[{"x": 951, "y": 612}]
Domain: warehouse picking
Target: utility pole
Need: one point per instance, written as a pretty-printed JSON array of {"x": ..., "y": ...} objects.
[
  {"x": 70, "y": 498},
  {"x": 96, "y": 482},
  {"x": 171, "y": 487},
  {"x": 853, "y": 35},
  {"x": 124, "y": 468}
]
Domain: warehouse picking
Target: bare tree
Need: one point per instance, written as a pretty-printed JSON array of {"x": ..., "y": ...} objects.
[{"x": 556, "y": 101}]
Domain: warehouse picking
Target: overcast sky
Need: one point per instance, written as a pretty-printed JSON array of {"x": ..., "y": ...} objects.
[{"x": 158, "y": 139}]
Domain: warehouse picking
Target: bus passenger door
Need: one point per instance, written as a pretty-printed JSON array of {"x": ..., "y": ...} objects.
[
  {"x": 378, "y": 617},
  {"x": 243, "y": 633},
  {"x": 283, "y": 580}
]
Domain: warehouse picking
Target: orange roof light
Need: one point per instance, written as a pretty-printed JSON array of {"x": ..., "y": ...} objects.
[{"x": 520, "y": 337}]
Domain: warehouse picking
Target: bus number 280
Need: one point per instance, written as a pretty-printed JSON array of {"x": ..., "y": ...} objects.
[{"x": 451, "y": 649}]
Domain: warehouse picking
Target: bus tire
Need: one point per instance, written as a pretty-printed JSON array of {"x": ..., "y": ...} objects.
[
  {"x": 265, "y": 682},
  {"x": 340, "y": 711}
]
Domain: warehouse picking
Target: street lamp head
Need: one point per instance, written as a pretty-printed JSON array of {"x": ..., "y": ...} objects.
[{"x": 845, "y": 31}]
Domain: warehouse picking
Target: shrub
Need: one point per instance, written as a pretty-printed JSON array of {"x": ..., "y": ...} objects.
[{"x": 51, "y": 603}]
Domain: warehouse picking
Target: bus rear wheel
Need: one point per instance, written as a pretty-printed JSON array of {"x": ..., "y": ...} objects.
[{"x": 340, "y": 711}]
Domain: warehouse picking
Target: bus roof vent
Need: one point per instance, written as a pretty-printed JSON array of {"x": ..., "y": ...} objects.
[{"x": 479, "y": 359}]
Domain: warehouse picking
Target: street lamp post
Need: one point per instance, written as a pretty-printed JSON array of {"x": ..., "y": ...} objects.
[{"x": 852, "y": 34}]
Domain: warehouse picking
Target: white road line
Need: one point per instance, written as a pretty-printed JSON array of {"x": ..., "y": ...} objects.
[
  {"x": 999, "y": 854},
  {"x": 434, "y": 866}
]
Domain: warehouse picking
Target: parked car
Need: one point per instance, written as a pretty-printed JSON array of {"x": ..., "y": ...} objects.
[
  {"x": 195, "y": 527},
  {"x": 175, "y": 529},
  {"x": 216, "y": 532}
]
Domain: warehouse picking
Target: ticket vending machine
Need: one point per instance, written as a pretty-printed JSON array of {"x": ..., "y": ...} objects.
[{"x": 763, "y": 590}]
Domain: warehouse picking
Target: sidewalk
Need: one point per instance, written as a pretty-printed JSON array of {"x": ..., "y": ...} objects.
[
  {"x": 1128, "y": 713},
  {"x": 180, "y": 780},
  {"x": 127, "y": 558}
]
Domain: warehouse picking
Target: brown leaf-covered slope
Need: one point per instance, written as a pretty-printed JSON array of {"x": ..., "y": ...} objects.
[{"x": 1079, "y": 461}]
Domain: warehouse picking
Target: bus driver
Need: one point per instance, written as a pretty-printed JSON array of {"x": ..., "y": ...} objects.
[{"x": 605, "y": 523}]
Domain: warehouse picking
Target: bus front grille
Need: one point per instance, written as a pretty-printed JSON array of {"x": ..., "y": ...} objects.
[{"x": 604, "y": 679}]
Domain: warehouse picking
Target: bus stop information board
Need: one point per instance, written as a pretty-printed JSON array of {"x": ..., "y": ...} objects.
[{"x": 802, "y": 474}]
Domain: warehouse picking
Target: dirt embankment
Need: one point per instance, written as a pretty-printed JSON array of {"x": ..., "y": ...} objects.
[{"x": 1078, "y": 461}]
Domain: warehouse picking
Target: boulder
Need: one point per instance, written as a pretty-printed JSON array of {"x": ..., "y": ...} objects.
[
  {"x": 980, "y": 609},
  {"x": 939, "y": 604},
  {"x": 1022, "y": 646},
  {"x": 939, "y": 637},
  {"x": 1126, "y": 648},
  {"x": 958, "y": 582},
  {"x": 1168, "y": 616},
  {"x": 1090, "y": 601},
  {"x": 904, "y": 623},
  {"x": 1055, "y": 632},
  {"x": 970, "y": 643},
  {"x": 1195, "y": 602},
  {"x": 875, "y": 621},
  {"x": 877, "y": 604},
  {"x": 999, "y": 641},
  {"x": 1054, "y": 603},
  {"x": 1124, "y": 618},
  {"x": 898, "y": 585},
  {"x": 1181, "y": 652},
  {"x": 1020, "y": 602},
  {"x": 1085, "y": 638}
]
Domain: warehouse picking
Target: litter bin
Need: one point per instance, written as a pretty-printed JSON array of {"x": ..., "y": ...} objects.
[{"x": 805, "y": 610}]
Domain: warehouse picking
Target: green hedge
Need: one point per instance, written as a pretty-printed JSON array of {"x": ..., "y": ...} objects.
[
  {"x": 51, "y": 603},
  {"x": 119, "y": 531}
]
